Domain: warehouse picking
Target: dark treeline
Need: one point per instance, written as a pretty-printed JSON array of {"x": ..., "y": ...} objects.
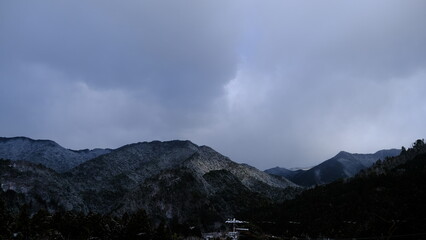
[
  {"x": 386, "y": 205},
  {"x": 71, "y": 225}
]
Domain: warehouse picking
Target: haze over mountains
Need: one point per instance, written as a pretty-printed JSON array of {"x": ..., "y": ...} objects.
[{"x": 343, "y": 165}]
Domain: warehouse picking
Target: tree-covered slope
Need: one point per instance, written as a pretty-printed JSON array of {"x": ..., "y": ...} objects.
[
  {"x": 343, "y": 165},
  {"x": 374, "y": 204}
]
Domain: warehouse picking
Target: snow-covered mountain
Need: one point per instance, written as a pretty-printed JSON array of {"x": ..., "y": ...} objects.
[
  {"x": 343, "y": 165},
  {"x": 174, "y": 179},
  {"x": 45, "y": 152},
  {"x": 143, "y": 175}
]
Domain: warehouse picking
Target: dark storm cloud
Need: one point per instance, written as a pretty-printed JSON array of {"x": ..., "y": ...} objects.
[
  {"x": 286, "y": 83},
  {"x": 168, "y": 59},
  {"x": 161, "y": 47}
]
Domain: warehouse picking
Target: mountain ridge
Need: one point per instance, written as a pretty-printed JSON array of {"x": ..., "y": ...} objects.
[
  {"x": 384, "y": 201},
  {"x": 46, "y": 152},
  {"x": 161, "y": 177},
  {"x": 342, "y": 165}
]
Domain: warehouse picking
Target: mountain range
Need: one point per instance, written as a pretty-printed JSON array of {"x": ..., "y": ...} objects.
[
  {"x": 178, "y": 185},
  {"x": 384, "y": 201},
  {"x": 343, "y": 165},
  {"x": 46, "y": 152},
  {"x": 170, "y": 180}
]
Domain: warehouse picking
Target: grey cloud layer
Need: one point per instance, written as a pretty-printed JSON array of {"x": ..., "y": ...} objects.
[
  {"x": 260, "y": 81},
  {"x": 160, "y": 47}
]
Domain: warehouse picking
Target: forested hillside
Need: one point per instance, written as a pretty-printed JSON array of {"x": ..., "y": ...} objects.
[{"x": 384, "y": 202}]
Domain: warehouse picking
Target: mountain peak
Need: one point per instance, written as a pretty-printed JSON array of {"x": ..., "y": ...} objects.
[
  {"x": 343, "y": 154},
  {"x": 27, "y": 139},
  {"x": 342, "y": 165},
  {"x": 169, "y": 144},
  {"x": 170, "y": 179},
  {"x": 45, "y": 152}
]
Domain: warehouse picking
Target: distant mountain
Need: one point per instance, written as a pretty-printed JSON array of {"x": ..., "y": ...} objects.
[
  {"x": 170, "y": 180},
  {"x": 279, "y": 171},
  {"x": 45, "y": 152},
  {"x": 343, "y": 165},
  {"x": 384, "y": 201}
]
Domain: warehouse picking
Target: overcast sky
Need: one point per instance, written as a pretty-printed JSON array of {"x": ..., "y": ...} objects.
[{"x": 268, "y": 83}]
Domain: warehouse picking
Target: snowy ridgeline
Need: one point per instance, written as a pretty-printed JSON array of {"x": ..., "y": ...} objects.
[
  {"x": 173, "y": 179},
  {"x": 45, "y": 152}
]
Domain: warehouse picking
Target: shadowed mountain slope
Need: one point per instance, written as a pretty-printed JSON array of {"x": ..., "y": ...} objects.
[
  {"x": 385, "y": 201},
  {"x": 343, "y": 165}
]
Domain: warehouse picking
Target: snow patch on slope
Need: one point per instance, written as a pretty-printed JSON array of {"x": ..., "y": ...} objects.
[{"x": 45, "y": 152}]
